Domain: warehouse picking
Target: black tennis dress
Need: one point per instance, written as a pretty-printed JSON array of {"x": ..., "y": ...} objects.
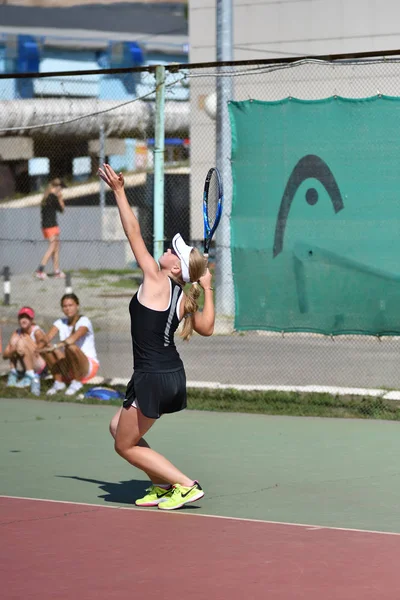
[{"x": 158, "y": 384}]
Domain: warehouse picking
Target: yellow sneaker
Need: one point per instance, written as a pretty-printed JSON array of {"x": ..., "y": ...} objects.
[
  {"x": 154, "y": 496},
  {"x": 182, "y": 495}
]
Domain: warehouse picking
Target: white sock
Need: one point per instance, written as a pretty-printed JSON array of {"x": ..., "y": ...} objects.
[
  {"x": 13, "y": 371},
  {"x": 58, "y": 385},
  {"x": 163, "y": 486},
  {"x": 75, "y": 383},
  {"x": 30, "y": 373}
]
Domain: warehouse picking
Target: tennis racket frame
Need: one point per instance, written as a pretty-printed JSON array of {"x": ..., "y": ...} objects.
[{"x": 209, "y": 230}]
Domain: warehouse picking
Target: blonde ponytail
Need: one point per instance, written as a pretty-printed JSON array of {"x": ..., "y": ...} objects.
[
  {"x": 190, "y": 307},
  {"x": 197, "y": 268}
]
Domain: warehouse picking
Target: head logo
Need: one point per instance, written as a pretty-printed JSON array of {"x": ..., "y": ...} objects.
[{"x": 308, "y": 166}]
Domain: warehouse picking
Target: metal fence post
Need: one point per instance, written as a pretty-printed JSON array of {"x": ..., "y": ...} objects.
[
  {"x": 68, "y": 284},
  {"x": 159, "y": 145},
  {"x": 7, "y": 286},
  {"x": 102, "y": 158},
  {"x": 224, "y": 277}
]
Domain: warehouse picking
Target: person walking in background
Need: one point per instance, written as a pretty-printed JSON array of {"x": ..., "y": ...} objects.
[
  {"x": 22, "y": 351},
  {"x": 52, "y": 203},
  {"x": 74, "y": 360},
  {"x": 158, "y": 384}
]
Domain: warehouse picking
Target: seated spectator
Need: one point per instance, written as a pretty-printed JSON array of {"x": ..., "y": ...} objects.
[
  {"x": 73, "y": 361},
  {"x": 23, "y": 350}
]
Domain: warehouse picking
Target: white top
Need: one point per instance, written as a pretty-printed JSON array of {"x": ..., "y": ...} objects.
[
  {"x": 32, "y": 333},
  {"x": 86, "y": 342}
]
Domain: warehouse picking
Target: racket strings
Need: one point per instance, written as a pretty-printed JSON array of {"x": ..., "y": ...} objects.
[{"x": 212, "y": 201}]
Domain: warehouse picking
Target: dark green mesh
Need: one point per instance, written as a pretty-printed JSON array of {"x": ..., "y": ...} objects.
[{"x": 316, "y": 215}]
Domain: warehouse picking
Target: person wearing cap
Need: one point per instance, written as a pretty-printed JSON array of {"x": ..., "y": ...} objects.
[
  {"x": 158, "y": 384},
  {"x": 22, "y": 351},
  {"x": 51, "y": 204}
]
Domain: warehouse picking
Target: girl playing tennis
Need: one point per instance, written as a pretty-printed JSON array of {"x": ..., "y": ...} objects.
[{"x": 158, "y": 384}]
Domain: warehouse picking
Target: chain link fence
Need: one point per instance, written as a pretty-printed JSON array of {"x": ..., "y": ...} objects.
[{"x": 65, "y": 126}]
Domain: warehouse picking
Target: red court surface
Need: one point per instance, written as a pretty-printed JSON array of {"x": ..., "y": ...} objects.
[{"x": 75, "y": 551}]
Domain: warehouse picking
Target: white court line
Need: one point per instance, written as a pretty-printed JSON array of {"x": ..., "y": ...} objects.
[
  {"x": 186, "y": 514},
  {"x": 318, "y": 389}
]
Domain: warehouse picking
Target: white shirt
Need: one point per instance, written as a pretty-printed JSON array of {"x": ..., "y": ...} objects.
[
  {"x": 32, "y": 333},
  {"x": 86, "y": 342}
]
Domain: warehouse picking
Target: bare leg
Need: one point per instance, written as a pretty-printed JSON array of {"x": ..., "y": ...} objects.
[
  {"x": 57, "y": 364},
  {"x": 15, "y": 358},
  {"x": 69, "y": 364},
  {"x": 132, "y": 427},
  {"x": 78, "y": 362},
  {"x": 114, "y": 423},
  {"x": 28, "y": 352},
  {"x": 25, "y": 349},
  {"x": 142, "y": 442},
  {"x": 50, "y": 251},
  {"x": 56, "y": 255},
  {"x": 13, "y": 363}
]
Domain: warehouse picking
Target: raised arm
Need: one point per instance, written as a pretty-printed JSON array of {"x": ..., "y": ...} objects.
[
  {"x": 204, "y": 321},
  {"x": 129, "y": 222},
  {"x": 60, "y": 202}
]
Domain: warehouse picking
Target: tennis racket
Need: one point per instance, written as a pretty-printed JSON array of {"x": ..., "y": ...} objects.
[{"x": 213, "y": 198}]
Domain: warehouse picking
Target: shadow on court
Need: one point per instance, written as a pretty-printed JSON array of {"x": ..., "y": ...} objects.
[{"x": 121, "y": 492}]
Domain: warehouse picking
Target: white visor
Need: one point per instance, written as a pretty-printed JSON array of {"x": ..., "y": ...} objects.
[{"x": 183, "y": 251}]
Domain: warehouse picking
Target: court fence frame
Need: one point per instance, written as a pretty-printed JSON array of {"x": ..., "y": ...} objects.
[{"x": 162, "y": 112}]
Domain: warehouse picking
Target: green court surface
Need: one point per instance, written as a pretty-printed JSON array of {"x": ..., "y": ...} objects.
[{"x": 329, "y": 472}]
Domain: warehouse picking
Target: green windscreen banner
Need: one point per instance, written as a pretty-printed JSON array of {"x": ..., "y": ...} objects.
[{"x": 315, "y": 226}]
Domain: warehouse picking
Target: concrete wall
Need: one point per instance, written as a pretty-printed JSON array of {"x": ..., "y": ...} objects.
[
  {"x": 88, "y": 240},
  {"x": 304, "y": 27},
  {"x": 273, "y": 29}
]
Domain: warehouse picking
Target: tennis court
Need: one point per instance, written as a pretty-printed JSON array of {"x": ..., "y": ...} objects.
[{"x": 294, "y": 507}]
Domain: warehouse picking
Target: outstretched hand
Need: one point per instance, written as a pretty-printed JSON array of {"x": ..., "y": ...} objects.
[
  {"x": 51, "y": 348},
  {"x": 114, "y": 181}
]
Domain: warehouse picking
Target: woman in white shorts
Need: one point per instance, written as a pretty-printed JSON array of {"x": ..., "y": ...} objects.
[{"x": 74, "y": 359}]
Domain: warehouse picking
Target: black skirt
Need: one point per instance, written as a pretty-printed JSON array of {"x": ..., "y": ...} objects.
[{"x": 157, "y": 393}]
